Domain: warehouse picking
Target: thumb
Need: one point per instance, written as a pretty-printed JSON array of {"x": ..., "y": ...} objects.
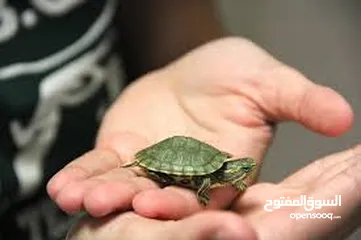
[
  {"x": 213, "y": 225},
  {"x": 288, "y": 95}
]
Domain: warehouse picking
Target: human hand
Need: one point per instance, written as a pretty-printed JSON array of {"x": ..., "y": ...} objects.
[
  {"x": 336, "y": 174},
  {"x": 229, "y": 93},
  {"x": 206, "y": 225},
  {"x": 324, "y": 179}
]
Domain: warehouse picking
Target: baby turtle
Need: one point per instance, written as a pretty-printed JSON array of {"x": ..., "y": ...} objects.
[{"x": 188, "y": 162}]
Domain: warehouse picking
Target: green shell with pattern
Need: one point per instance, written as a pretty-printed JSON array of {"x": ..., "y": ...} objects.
[{"x": 183, "y": 156}]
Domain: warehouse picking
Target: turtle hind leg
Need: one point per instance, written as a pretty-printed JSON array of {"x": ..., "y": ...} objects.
[
  {"x": 203, "y": 191},
  {"x": 240, "y": 185}
]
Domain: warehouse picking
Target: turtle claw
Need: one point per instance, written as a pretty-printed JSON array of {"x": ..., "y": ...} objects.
[
  {"x": 240, "y": 185},
  {"x": 203, "y": 192},
  {"x": 204, "y": 199}
]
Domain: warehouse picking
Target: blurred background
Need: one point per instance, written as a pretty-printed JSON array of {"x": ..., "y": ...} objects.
[{"x": 322, "y": 39}]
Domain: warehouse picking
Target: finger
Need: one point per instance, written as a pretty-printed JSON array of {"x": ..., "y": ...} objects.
[
  {"x": 115, "y": 196},
  {"x": 90, "y": 164},
  {"x": 322, "y": 169},
  {"x": 346, "y": 183},
  {"x": 203, "y": 226},
  {"x": 176, "y": 203},
  {"x": 288, "y": 95},
  {"x": 341, "y": 176},
  {"x": 102, "y": 194},
  {"x": 109, "y": 154},
  {"x": 211, "y": 225},
  {"x": 125, "y": 225},
  {"x": 71, "y": 197}
]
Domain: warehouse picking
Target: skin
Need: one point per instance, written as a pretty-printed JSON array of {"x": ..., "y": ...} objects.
[
  {"x": 337, "y": 173},
  {"x": 247, "y": 89},
  {"x": 249, "y": 92}
]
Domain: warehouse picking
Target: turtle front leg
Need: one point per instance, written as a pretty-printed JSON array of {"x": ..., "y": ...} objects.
[
  {"x": 240, "y": 185},
  {"x": 203, "y": 191},
  {"x": 159, "y": 177}
]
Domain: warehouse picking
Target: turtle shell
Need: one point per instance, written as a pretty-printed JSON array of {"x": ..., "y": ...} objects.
[{"x": 182, "y": 156}]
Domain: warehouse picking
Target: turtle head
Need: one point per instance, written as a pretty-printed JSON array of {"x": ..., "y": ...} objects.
[{"x": 237, "y": 169}]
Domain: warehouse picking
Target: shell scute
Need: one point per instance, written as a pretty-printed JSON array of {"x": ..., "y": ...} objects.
[{"x": 183, "y": 156}]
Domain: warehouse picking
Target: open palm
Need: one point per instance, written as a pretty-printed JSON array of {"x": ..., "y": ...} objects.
[
  {"x": 336, "y": 174},
  {"x": 229, "y": 93}
]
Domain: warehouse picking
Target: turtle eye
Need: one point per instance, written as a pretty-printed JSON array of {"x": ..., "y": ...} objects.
[{"x": 246, "y": 169}]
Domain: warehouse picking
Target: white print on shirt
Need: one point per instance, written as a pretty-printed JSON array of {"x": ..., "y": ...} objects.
[
  {"x": 65, "y": 87},
  {"x": 10, "y": 20},
  {"x": 58, "y": 58},
  {"x": 56, "y": 8},
  {"x": 9, "y": 23},
  {"x": 29, "y": 18}
]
